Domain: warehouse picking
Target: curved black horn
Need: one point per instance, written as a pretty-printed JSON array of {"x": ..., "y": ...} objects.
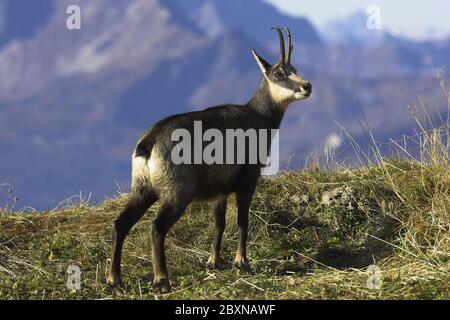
[
  {"x": 290, "y": 46},
  {"x": 282, "y": 49}
]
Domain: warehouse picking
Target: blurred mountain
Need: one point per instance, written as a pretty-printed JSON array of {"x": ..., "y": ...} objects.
[
  {"x": 253, "y": 17},
  {"x": 352, "y": 31},
  {"x": 120, "y": 41},
  {"x": 355, "y": 50},
  {"x": 217, "y": 71},
  {"x": 390, "y": 59},
  {"x": 74, "y": 103}
]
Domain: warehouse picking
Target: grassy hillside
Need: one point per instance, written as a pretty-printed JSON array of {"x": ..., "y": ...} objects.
[{"x": 313, "y": 234}]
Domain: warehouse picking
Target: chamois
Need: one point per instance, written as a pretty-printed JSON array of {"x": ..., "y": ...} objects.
[{"x": 156, "y": 177}]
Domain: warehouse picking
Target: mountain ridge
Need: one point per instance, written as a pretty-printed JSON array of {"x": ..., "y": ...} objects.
[{"x": 74, "y": 103}]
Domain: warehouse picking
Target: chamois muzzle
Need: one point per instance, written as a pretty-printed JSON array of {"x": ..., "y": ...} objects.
[
  {"x": 307, "y": 87},
  {"x": 304, "y": 90}
]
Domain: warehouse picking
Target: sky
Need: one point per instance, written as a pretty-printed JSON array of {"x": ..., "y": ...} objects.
[{"x": 413, "y": 18}]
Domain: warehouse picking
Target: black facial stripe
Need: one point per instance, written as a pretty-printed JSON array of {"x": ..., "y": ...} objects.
[{"x": 285, "y": 70}]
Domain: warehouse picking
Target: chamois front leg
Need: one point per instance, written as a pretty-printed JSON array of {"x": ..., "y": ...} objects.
[
  {"x": 220, "y": 209},
  {"x": 243, "y": 199}
]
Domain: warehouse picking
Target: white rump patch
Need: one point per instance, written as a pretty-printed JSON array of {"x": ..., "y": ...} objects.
[
  {"x": 139, "y": 171},
  {"x": 156, "y": 170},
  {"x": 149, "y": 172}
]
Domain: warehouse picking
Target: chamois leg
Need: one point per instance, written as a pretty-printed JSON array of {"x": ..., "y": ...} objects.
[
  {"x": 169, "y": 213},
  {"x": 243, "y": 199},
  {"x": 136, "y": 207},
  {"x": 220, "y": 209}
]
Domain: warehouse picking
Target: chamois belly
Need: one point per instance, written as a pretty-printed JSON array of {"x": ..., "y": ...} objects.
[
  {"x": 200, "y": 182},
  {"x": 215, "y": 181}
]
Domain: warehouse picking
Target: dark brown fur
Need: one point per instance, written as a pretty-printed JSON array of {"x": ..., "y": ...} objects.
[{"x": 178, "y": 185}]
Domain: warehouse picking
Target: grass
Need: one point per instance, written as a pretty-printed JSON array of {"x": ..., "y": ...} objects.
[
  {"x": 314, "y": 234},
  {"x": 300, "y": 248}
]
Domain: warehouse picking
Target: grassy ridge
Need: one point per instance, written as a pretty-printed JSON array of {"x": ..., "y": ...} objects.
[{"x": 312, "y": 235}]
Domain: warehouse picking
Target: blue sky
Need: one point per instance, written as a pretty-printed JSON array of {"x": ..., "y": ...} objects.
[{"x": 413, "y": 18}]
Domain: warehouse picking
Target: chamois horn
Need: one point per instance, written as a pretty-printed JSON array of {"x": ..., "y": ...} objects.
[
  {"x": 290, "y": 46},
  {"x": 282, "y": 49}
]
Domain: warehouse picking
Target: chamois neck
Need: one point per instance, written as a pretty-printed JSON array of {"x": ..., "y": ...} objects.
[{"x": 263, "y": 103}]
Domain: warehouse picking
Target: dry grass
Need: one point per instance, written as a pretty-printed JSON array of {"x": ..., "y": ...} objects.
[
  {"x": 299, "y": 248},
  {"x": 398, "y": 218}
]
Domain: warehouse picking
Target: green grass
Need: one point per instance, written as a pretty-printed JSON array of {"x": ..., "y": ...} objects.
[
  {"x": 299, "y": 248},
  {"x": 394, "y": 214}
]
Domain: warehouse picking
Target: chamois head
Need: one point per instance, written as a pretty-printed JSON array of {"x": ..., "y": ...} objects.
[{"x": 285, "y": 85}]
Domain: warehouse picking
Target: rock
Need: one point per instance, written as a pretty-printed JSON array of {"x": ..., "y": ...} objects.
[
  {"x": 343, "y": 197},
  {"x": 303, "y": 199}
]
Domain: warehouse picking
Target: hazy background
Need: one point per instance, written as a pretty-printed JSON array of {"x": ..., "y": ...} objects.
[
  {"x": 74, "y": 102},
  {"x": 414, "y": 19}
]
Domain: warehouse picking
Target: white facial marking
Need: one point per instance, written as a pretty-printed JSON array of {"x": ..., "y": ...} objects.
[
  {"x": 302, "y": 94},
  {"x": 281, "y": 95},
  {"x": 295, "y": 78}
]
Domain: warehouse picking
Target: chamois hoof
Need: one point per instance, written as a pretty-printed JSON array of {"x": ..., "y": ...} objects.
[
  {"x": 116, "y": 285},
  {"x": 162, "y": 285},
  {"x": 243, "y": 266},
  {"x": 213, "y": 263}
]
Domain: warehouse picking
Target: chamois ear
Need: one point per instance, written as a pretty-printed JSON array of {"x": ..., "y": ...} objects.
[{"x": 263, "y": 64}]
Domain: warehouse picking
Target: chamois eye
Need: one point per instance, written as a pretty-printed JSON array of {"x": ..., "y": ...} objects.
[{"x": 278, "y": 75}]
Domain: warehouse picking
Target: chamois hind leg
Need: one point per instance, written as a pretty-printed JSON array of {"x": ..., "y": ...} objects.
[
  {"x": 220, "y": 209},
  {"x": 170, "y": 212},
  {"x": 137, "y": 205},
  {"x": 243, "y": 198}
]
